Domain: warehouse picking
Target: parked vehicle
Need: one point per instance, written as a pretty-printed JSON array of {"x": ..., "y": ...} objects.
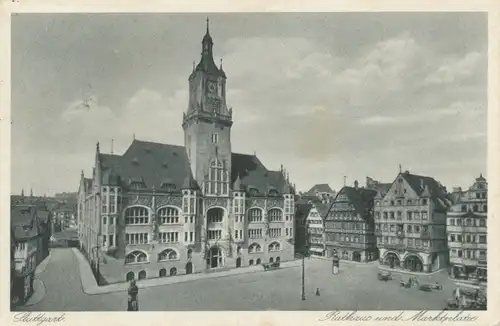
[
  {"x": 270, "y": 266},
  {"x": 384, "y": 276}
]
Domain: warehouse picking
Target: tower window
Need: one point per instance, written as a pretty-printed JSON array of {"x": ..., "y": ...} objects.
[{"x": 215, "y": 138}]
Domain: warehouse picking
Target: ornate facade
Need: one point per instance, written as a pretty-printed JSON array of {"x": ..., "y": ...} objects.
[
  {"x": 467, "y": 236},
  {"x": 349, "y": 225},
  {"x": 410, "y": 223},
  {"x": 160, "y": 209}
]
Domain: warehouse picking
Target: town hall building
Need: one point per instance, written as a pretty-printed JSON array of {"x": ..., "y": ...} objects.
[{"x": 161, "y": 210}]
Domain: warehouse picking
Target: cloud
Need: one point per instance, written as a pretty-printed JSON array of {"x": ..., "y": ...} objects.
[
  {"x": 381, "y": 69},
  {"x": 456, "y": 69}
]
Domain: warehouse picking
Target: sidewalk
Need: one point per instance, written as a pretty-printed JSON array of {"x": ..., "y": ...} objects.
[
  {"x": 401, "y": 271},
  {"x": 468, "y": 284},
  {"x": 89, "y": 284},
  {"x": 370, "y": 263},
  {"x": 38, "y": 293},
  {"x": 41, "y": 267}
]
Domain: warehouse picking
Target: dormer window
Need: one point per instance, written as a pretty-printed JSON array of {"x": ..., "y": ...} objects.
[
  {"x": 167, "y": 186},
  {"x": 253, "y": 191},
  {"x": 136, "y": 185},
  {"x": 273, "y": 193}
]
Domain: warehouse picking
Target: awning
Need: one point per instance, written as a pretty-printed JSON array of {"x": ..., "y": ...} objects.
[{"x": 317, "y": 250}]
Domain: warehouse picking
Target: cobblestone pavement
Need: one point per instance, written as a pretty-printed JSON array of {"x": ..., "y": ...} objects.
[{"x": 355, "y": 288}]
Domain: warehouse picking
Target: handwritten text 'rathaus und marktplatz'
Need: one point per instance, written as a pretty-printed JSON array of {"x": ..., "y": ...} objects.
[{"x": 409, "y": 316}]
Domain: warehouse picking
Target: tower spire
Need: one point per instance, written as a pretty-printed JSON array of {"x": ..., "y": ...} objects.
[{"x": 208, "y": 22}]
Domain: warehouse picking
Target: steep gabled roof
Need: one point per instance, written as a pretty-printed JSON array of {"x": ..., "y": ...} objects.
[
  {"x": 154, "y": 164},
  {"x": 302, "y": 210},
  {"x": 428, "y": 187},
  {"x": 322, "y": 209},
  {"x": 321, "y": 187},
  {"x": 23, "y": 221},
  {"x": 360, "y": 198}
]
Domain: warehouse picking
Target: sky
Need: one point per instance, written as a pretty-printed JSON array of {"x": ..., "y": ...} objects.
[{"x": 327, "y": 95}]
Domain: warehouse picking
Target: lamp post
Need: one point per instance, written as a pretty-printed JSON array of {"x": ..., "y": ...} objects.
[{"x": 303, "y": 278}]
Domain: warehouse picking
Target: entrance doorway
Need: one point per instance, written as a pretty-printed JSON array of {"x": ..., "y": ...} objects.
[
  {"x": 215, "y": 258},
  {"x": 392, "y": 260},
  {"x": 189, "y": 268},
  {"x": 414, "y": 263},
  {"x": 238, "y": 262},
  {"x": 130, "y": 276},
  {"x": 356, "y": 256}
]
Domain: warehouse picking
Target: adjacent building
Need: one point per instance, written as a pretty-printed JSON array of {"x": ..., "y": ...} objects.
[
  {"x": 349, "y": 226},
  {"x": 161, "y": 209},
  {"x": 410, "y": 223},
  {"x": 315, "y": 227},
  {"x": 301, "y": 228},
  {"x": 466, "y": 228},
  {"x": 26, "y": 238},
  {"x": 322, "y": 192}
]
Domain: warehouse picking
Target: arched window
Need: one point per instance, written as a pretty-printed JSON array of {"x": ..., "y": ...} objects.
[
  {"x": 142, "y": 275},
  {"x": 136, "y": 215},
  {"x": 271, "y": 259},
  {"x": 163, "y": 272},
  {"x": 167, "y": 254},
  {"x": 275, "y": 246},
  {"x": 173, "y": 271},
  {"x": 275, "y": 215},
  {"x": 218, "y": 179},
  {"x": 250, "y": 262},
  {"x": 214, "y": 215},
  {"x": 278, "y": 259},
  {"x": 130, "y": 276},
  {"x": 136, "y": 257},
  {"x": 254, "y": 247},
  {"x": 168, "y": 215},
  {"x": 255, "y": 215},
  {"x": 238, "y": 250},
  {"x": 258, "y": 261},
  {"x": 190, "y": 253}
]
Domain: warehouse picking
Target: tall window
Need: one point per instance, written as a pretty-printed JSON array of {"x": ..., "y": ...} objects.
[
  {"x": 136, "y": 238},
  {"x": 215, "y": 138},
  {"x": 137, "y": 215},
  {"x": 214, "y": 234},
  {"x": 255, "y": 215},
  {"x": 238, "y": 205},
  {"x": 275, "y": 215},
  {"x": 218, "y": 179},
  {"x": 254, "y": 233},
  {"x": 168, "y": 215},
  {"x": 168, "y": 237},
  {"x": 112, "y": 201}
]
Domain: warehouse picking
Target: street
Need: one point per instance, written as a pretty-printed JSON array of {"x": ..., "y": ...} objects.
[{"x": 355, "y": 288}]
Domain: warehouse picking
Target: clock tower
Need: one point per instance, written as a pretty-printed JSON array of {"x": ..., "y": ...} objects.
[{"x": 207, "y": 123}]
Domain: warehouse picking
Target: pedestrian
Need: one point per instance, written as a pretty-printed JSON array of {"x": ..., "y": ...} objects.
[
  {"x": 457, "y": 296},
  {"x": 133, "y": 294}
]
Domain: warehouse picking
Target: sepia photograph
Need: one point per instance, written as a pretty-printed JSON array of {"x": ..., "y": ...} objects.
[{"x": 249, "y": 161}]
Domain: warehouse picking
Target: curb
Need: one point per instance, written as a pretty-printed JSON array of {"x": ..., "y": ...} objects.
[
  {"x": 122, "y": 287},
  {"x": 38, "y": 295},
  {"x": 90, "y": 287},
  {"x": 43, "y": 264}
]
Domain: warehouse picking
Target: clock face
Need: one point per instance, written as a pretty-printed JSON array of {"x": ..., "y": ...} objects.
[{"x": 212, "y": 87}]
